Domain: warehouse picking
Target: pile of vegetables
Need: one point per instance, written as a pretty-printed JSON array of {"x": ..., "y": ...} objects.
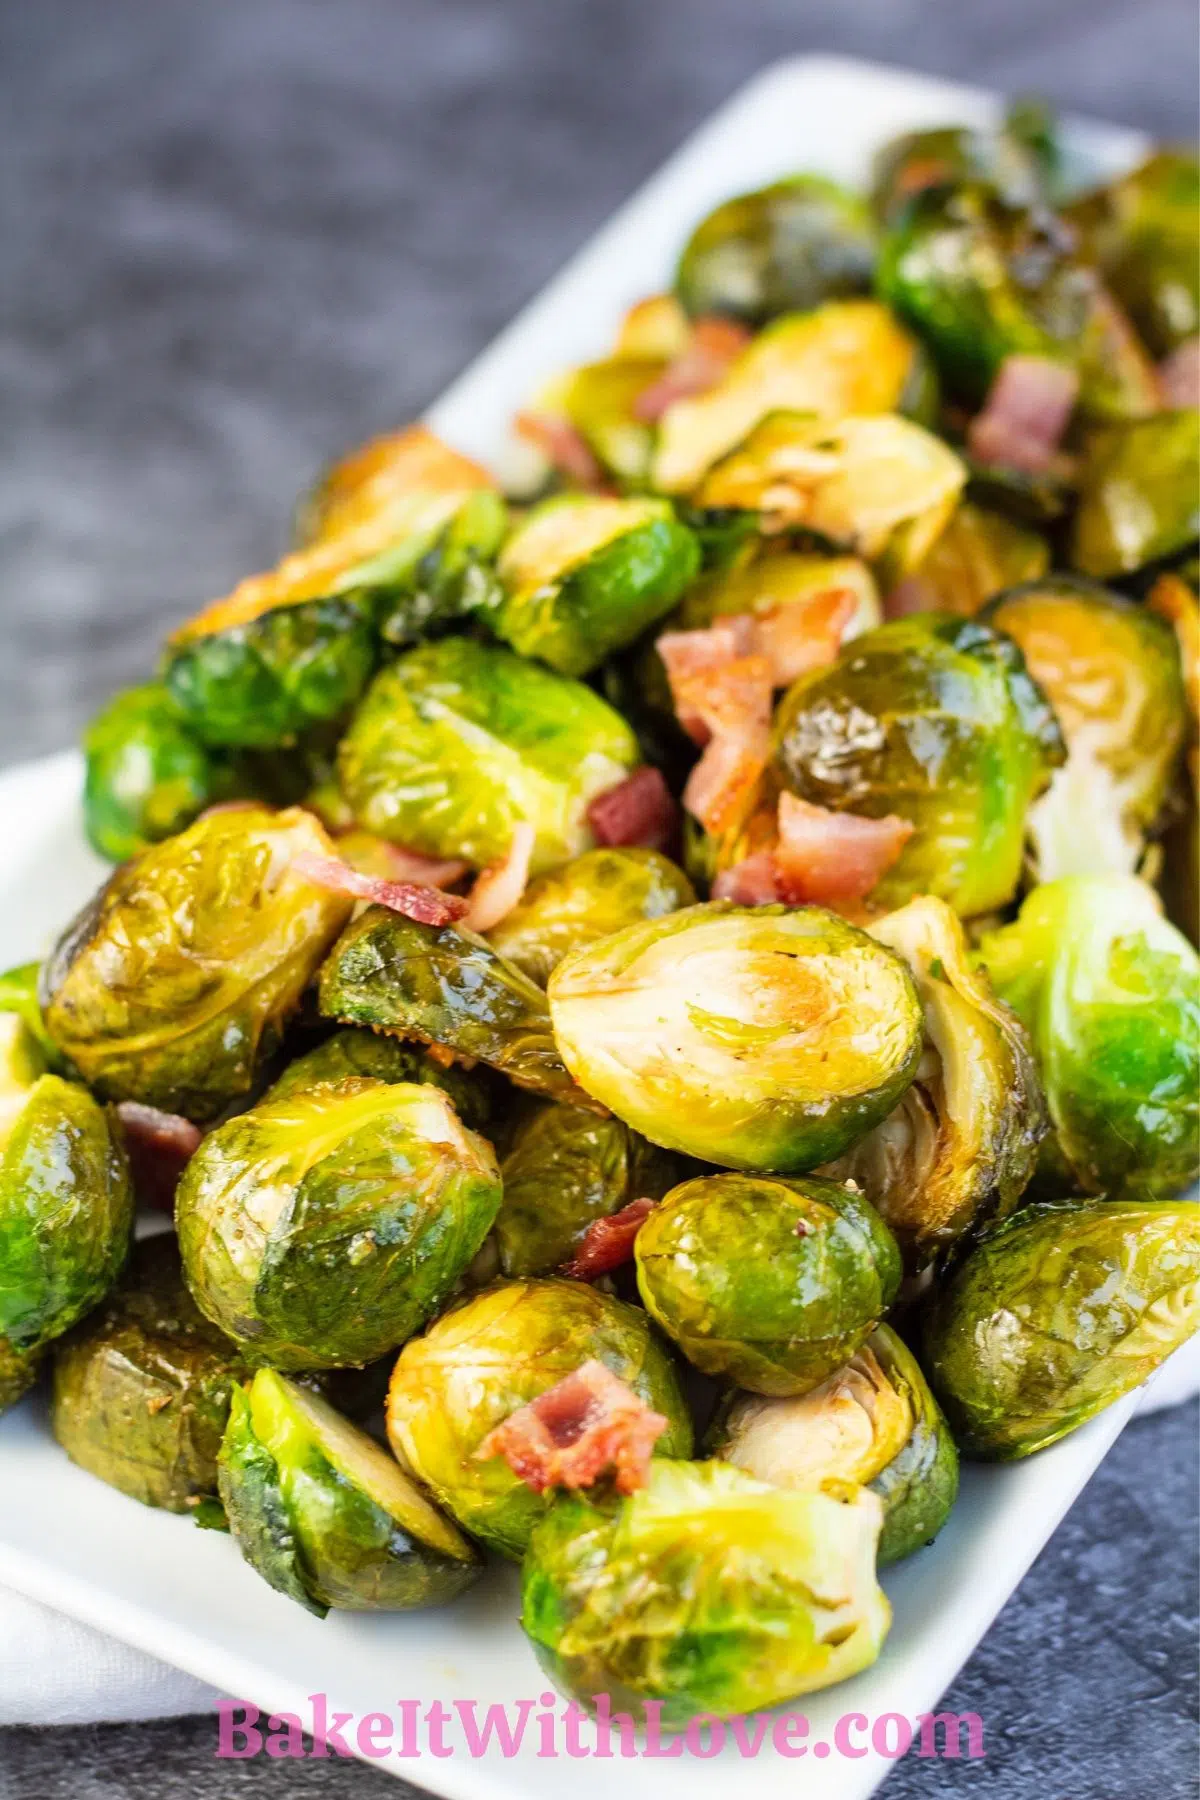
[{"x": 663, "y": 1008}]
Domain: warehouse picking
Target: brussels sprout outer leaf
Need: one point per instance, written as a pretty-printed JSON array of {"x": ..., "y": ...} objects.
[
  {"x": 148, "y": 775},
  {"x": 1140, "y": 498},
  {"x": 588, "y": 898},
  {"x": 248, "y": 1481},
  {"x": 371, "y": 1056}
]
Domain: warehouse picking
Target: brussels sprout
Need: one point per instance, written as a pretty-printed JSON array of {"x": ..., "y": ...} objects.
[
  {"x": 784, "y": 248},
  {"x": 18, "y": 1372},
  {"x": 707, "y": 1592},
  {"x": 874, "y": 1422},
  {"x": 352, "y": 1054},
  {"x": 494, "y": 1353},
  {"x": 778, "y": 578},
  {"x": 979, "y": 554},
  {"x": 771, "y": 1283},
  {"x": 933, "y": 718},
  {"x": 588, "y": 898},
  {"x": 21, "y": 1060},
  {"x": 1111, "y": 672},
  {"x": 446, "y": 987},
  {"x": 142, "y": 1387},
  {"x": 1110, "y": 995},
  {"x": 325, "y": 1515},
  {"x": 1140, "y": 499},
  {"x": 148, "y": 775},
  {"x": 1019, "y": 162},
  {"x": 881, "y": 487},
  {"x": 848, "y": 356},
  {"x": 458, "y": 742},
  {"x": 325, "y": 1228},
  {"x": 961, "y": 1147},
  {"x": 562, "y": 1170},
  {"x": 1060, "y": 1311},
  {"x": 1145, "y": 230},
  {"x": 173, "y": 984}
]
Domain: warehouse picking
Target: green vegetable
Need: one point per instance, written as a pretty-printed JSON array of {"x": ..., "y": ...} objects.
[
  {"x": 772, "y": 578},
  {"x": 363, "y": 1054},
  {"x": 979, "y": 554},
  {"x": 588, "y": 898},
  {"x": 1145, "y": 231},
  {"x": 1140, "y": 499},
  {"x": 18, "y": 1372},
  {"x": 1019, "y": 162},
  {"x": 148, "y": 774}
]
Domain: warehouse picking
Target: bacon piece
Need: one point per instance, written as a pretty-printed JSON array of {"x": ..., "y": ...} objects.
[
  {"x": 828, "y": 858},
  {"x": 752, "y": 882},
  {"x": 569, "y": 1436},
  {"x": 1025, "y": 414},
  {"x": 159, "y": 1146},
  {"x": 798, "y": 635},
  {"x": 1179, "y": 375},
  {"x": 711, "y": 347},
  {"x": 733, "y": 703},
  {"x": 914, "y": 594},
  {"x": 499, "y": 887},
  {"x": 372, "y": 855},
  {"x": 563, "y": 446},
  {"x": 639, "y": 811},
  {"x": 688, "y": 653},
  {"x": 426, "y": 905},
  {"x": 607, "y": 1243}
]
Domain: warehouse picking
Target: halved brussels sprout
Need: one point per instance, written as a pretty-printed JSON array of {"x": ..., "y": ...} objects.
[
  {"x": 1110, "y": 995},
  {"x": 962, "y": 1145},
  {"x": 588, "y": 898},
  {"x": 447, "y": 987},
  {"x": 849, "y": 356},
  {"x": 585, "y": 575},
  {"x": 458, "y": 742},
  {"x": 1140, "y": 499},
  {"x": 881, "y": 487},
  {"x": 707, "y": 1591},
  {"x": 1060, "y": 1311},
  {"x": 562, "y": 1170},
  {"x": 1110, "y": 670},
  {"x": 1019, "y": 161},
  {"x": 774, "y": 578},
  {"x": 1145, "y": 229},
  {"x": 494, "y": 1353},
  {"x": 784, "y": 248},
  {"x": 369, "y": 1056},
  {"x": 142, "y": 1388},
  {"x": 172, "y": 986},
  {"x": 874, "y": 1422},
  {"x": 979, "y": 554},
  {"x": 325, "y": 1228},
  {"x": 933, "y": 718},
  {"x": 325, "y": 1516},
  {"x": 764, "y": 1037},
  {"x": 148, "y": 775}
]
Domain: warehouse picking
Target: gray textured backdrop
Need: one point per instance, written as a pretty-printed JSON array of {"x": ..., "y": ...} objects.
[{"x": 238, "y": 234}]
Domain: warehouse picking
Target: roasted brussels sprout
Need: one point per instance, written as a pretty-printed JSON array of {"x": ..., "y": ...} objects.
[
  {"x": 935, "y": 719},
  {"x": 20, "y": 1061},
  {"x": 458, "y": 742},
  {"x": 979, "y": 554},
  {"x": 707, "y": 1591},
  {"x": 1145, "y": 229},
  {"x": 849, "y": 356},
  {"x": 1060, "y": 1311},
  {"x": 142, "y": 1387},
  {"x": 1110, "y": 670},
  {"x": 784, "y": 248},
  {"x": 325, "y": 1515},
  {"x": 1140, "y": 498},
  {"x": 18, "y": 1371},
  {"x": 1019, "y": 161},
  {"x": 447, "y": 987},
  {"x": 562, "y": 1170},
  {"x": 588, "y": 898},
  {"x": 1110, "y": 995},
  {"x": 494, "y": 1353},
  {"x": 366, "y": 1055},
  {"x": 753, "y": 1037},
  {"x": 323, "y": 1229},
  {"x": 585, "y": 574},
  {"x": 775, "y": 578},
  {"x": 874, "y": 1422},
  {"x": 148, "y": 775},
  {"x": 172, "y": 986}
]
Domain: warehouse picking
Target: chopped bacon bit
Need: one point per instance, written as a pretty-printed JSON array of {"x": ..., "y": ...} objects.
[
  {"x": 712, "y": 346},
  {"x": 607, "y": 1243},
  {"x": 688, "y": 653},
  {"x": 569, "y": 1436},
  {"x": 1025, "y": 414},
  {"x": 833, "y": 857},
  {"x": 1179, "y": 375},
  {"x": 639, "y": 811},
  {"x": 425, "y": 905},
  {"x": 798, "y": 635},
  {"x": 159, "y": 1146},
  {"x": 752, "y": 882},
  {"x": 375, "y": 856},
  {"x": 733, "y": 703},
  {"x": 498, "y": 889},
  {"x": 563, "y": 446},
  {"x": 914, "y": 594}
]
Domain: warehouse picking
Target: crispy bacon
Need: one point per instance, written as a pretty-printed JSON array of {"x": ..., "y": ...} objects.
[
  {"x": 562, "y": 445},
  {"x": 712, "y": 346},
  {"x": 733, "y": 703},
  {"x": 426, "y": 905},
  {"x": 688, "y": 653},
  {"x": 1025, "y": 414},
  {"x": 572, "y": 1434},
  {"x": 639, "y": 811},
  {"x": 914, "y": 594},
  {"x": 1179, "y": 375},
  {"x": 498, "y": 889},
  {"x": 159, "y": 1146},
  {"x": 607, "y": 1243},
  {"x": 752, "y": 882},
  {"x": 798, "y": 635},
  {"x": 830, "y": 858}
]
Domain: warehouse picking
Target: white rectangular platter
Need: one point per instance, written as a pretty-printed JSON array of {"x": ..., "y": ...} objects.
[{"x": 184, "y": 1595}]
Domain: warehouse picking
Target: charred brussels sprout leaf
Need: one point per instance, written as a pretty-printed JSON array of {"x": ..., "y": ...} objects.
[
  {"x": 142, "y": 1387},
  {"x": 494, "y": 1353},
  {"x": 933, "y": 718},
  {"x": 1140, "y": 500},
  {"x": 707, "y": 1592},
  {"x": 1145, "y": 229},
  {"x": 784, "y": 248},
  {"x": 173, "y": 985},
  {"x": 874, "y": 1422},
  {"x": 1110, "y": 994},
  {"x": 364, "y": 1055},
  {"x": 1060, "y": 1311},
  {"x": 979, "y": 554},
  {"x": 325, "y": 1228},
  {"x": 770, "y": 1283},
  {"x": 1019, "y": 162},
  {"x": 326, "y": 1516},
  {"x": 458, "y": 742},
  {"x": 148, "y": 774},
  {"x": 754, "y": 1037},
  {"x": 588, "y": 898}
]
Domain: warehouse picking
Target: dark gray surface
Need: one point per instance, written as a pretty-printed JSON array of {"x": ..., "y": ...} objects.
[{"x": 238, "y": 234}]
